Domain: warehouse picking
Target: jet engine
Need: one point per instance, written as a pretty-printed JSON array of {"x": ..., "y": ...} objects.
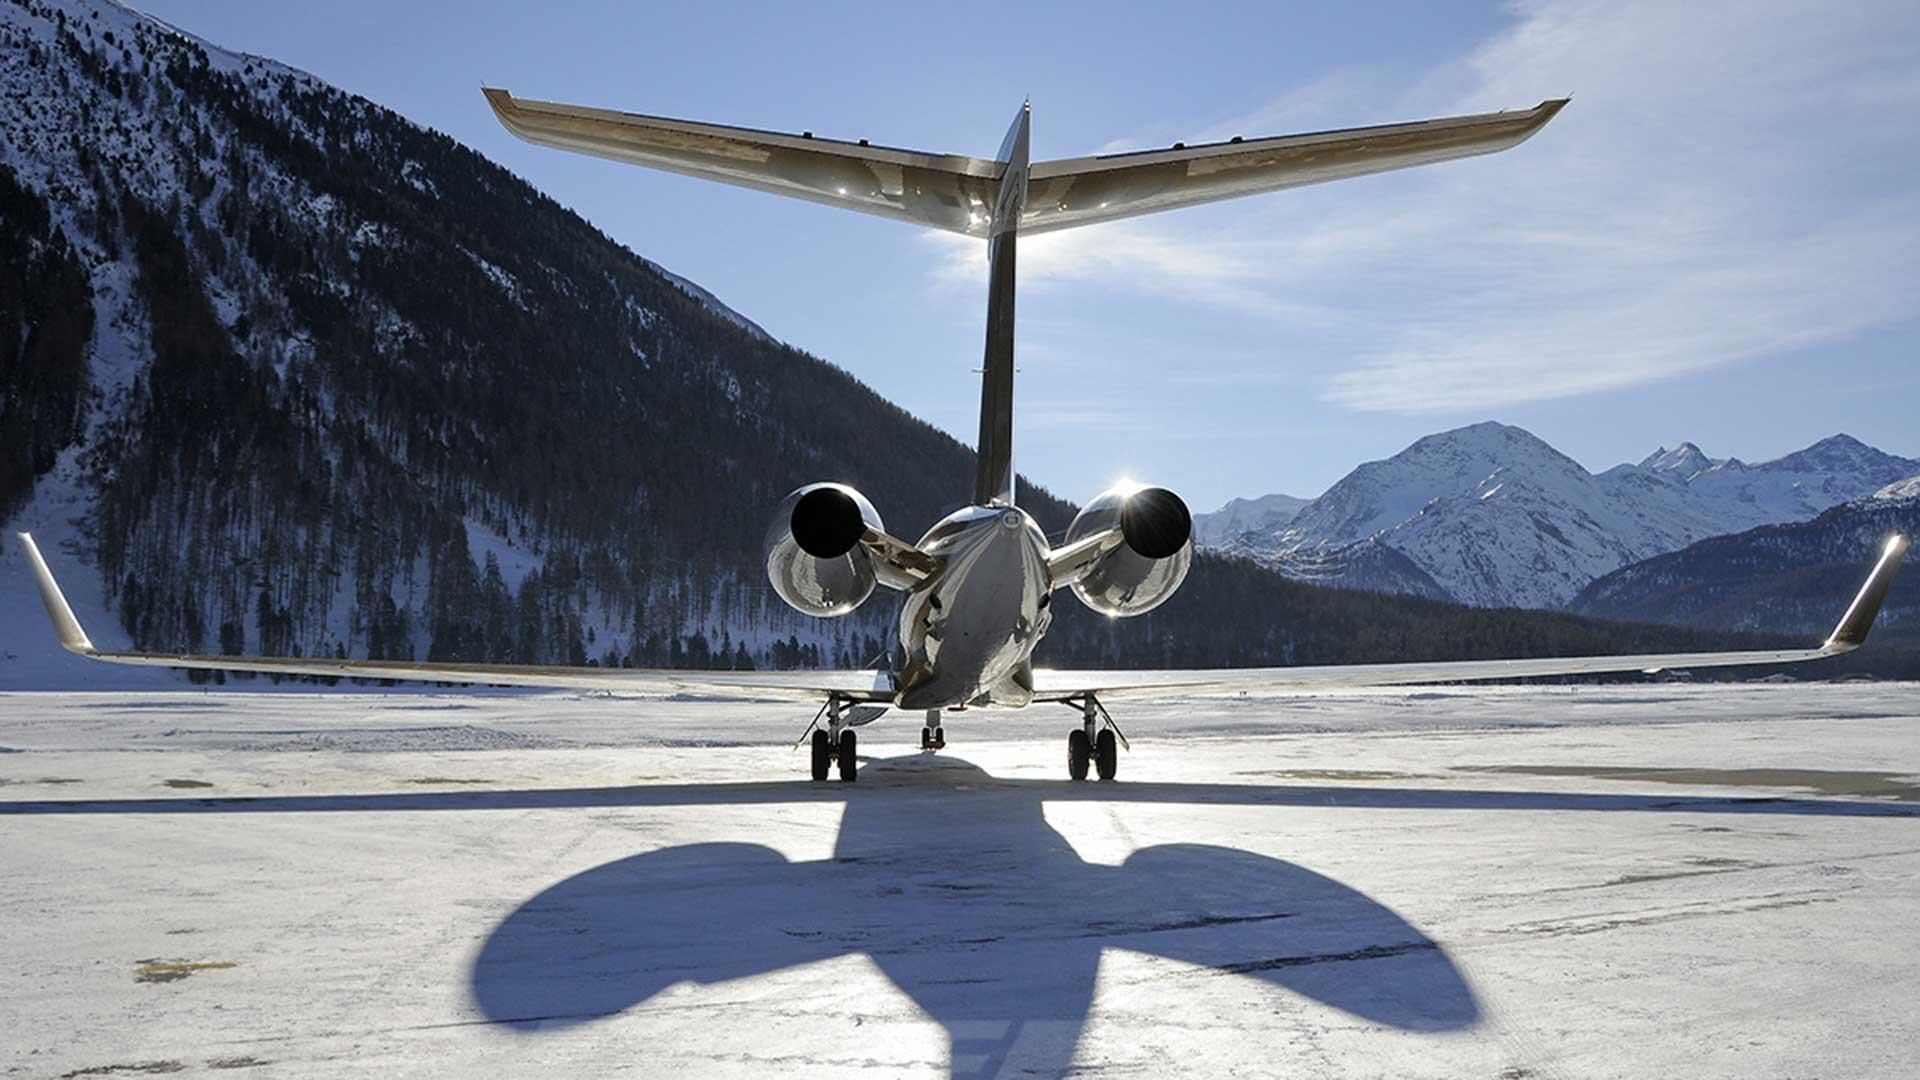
[
  {"x": 1139, "y": 575},
  {"x": 814, "y": 557}
]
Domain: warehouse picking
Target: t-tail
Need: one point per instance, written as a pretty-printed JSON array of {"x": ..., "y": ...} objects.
[{"x": 998, "y": 199}]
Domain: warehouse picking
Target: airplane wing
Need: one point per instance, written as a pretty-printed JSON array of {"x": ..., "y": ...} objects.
[
  {"x": 1082, "y": 191},
  {"x": 1850, "y": 634},
  {"x": 795, "y": 685},
  {"x": 958, "y": 193}
]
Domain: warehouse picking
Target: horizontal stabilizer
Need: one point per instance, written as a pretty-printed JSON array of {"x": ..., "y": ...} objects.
[
  {"x": 959, "y": 194},
  {"x": 944, "y": 191},
  {"x": 1083, "y": 191}
]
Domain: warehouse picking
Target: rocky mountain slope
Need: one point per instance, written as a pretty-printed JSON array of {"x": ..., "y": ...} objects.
[{"x": 1497, "y": 517}]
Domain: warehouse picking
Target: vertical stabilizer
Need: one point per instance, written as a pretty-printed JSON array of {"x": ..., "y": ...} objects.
[{"x": 994, "y": 485}]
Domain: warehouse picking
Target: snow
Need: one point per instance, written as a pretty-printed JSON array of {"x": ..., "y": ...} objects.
[
  {"x": 516, "y": 561},
  {"x": 1901, "y": 489},
  {"x": 1266, "y": 514},
  {"x": 1431, "y": 884},
  {"x": 506, "y": 282}
]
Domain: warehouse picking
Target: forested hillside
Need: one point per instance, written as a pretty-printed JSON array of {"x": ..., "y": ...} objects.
[
  {"x": 46, "y": 319},
  {"x": 1779, "y": 578},
  {"x": 319, "y": 380}
]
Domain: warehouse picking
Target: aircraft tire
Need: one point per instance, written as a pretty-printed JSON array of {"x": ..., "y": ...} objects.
[
  {"x": 822, "y": 755},
  {"x": 1106, "y": 754},
  {"x": 1079, "y": 751},
  {"x": 849, "y": 765}
]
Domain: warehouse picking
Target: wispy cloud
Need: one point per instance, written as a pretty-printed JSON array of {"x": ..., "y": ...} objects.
[{"x": 1732, "y": 181}]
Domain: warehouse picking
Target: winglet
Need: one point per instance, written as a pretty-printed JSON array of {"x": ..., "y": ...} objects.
[
  {"x": 72, "y": 638},
  {"x": 1852, "y": 631}
]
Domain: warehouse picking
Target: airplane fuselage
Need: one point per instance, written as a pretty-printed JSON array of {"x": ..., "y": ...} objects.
[{"x": 968, "y": 633}]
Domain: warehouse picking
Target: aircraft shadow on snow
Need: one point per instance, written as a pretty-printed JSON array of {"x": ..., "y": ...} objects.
[{"x": 975, "y": 907}]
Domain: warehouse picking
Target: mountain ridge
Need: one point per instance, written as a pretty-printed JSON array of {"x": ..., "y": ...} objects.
[{"x": 1498, "y": 517}]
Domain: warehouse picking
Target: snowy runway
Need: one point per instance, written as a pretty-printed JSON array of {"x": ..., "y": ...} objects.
[{"x": 1597, "y": 881}]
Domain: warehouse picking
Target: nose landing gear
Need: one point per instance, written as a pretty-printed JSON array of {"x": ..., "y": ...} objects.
[{"x": 933, "y": 736}]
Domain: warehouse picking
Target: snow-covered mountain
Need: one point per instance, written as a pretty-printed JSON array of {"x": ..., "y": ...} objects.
[
  {"x": 286, "y": 372},
  {"x": 1265, "y": 515},
  {"x": 1497, "y": 517}
]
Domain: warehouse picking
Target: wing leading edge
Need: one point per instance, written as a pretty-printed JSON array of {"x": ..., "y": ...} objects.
[
  {"x": 795, "y": 685},
  {"x": 1850, "y": 634}
]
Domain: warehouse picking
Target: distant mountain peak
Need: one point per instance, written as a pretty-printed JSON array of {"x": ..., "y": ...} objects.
[
  {"x": 1841, "y": 452},
  {"x": 1261, "y": 517},
  {"x": 1484, "y": 433},
  {"x": 1685, "y": 460}
]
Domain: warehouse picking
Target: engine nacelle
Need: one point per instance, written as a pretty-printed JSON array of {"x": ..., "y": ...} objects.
[
  {"x": 814, "y": 557},
  {"x": 1141, "y": 573}
]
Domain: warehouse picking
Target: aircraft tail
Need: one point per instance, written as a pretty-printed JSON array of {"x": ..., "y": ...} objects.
[
  {"x": 993, "y": 483},
  {"x": 990, "y": 199}
]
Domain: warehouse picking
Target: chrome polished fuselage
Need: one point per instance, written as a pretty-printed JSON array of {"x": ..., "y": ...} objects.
[{"x": 968, "y": 632}]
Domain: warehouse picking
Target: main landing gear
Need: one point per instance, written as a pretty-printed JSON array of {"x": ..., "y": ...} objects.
[
  {"x": 835, "y": 744},
  {"x": 1091, "y": 744},
  {"x": 933, "y": 736}
]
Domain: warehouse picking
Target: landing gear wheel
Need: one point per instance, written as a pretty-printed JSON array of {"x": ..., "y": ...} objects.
[
  {"x": 1106, "y": 754},
  {"x": 939, "y": 738},
  {"x": 822, "y": 755},
  {"x": 1079, "y": 751},
  {"x": 926, "y": 738},
  {"x": 849, "y": 765}
]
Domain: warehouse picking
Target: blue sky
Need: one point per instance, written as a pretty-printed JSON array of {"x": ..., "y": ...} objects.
[{"x": 1718, "y": 241}]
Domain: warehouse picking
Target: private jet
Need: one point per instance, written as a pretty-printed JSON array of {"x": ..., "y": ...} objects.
[{"x": 978, "y": 585}]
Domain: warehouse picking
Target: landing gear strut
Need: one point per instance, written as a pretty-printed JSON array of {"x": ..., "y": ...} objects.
[
  {"x": 835, "y": 744},
  {"x": 1090, "y": 743},
  {"x": 933, "y": 736}
]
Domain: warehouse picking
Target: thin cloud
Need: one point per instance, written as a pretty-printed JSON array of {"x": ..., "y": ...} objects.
[{"x": 1729, "y": 184}]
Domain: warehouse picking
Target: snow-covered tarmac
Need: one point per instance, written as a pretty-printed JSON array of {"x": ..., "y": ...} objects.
[{"x": 1684, "y": 881}]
